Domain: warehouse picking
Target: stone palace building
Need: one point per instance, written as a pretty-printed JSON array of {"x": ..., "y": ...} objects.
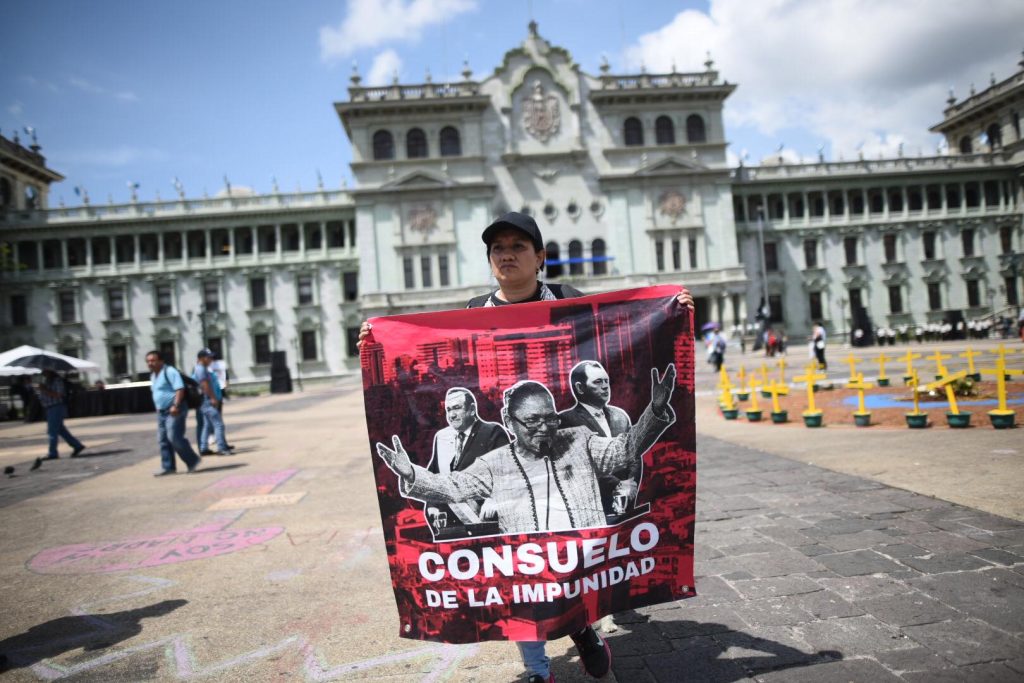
[{"x": 627, "y": 176}]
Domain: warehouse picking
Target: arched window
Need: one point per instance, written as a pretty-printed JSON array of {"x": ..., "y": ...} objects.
[
  {"x": 451, "y": 145},
  {"x": 415, "y": 144},
  {"x": 633, "y": 132},
  {"x": 995, "y": 136},
  {"x": 575, "y": 258},
  {"x": 695, "y": 129},
  {"x": 383, "y": 145},
  {"x": 664, "y": 131},
  {"x": 597, "y": 252},
  {"x": 554, "y": 269},
  {"x": 965, "y": 145}
]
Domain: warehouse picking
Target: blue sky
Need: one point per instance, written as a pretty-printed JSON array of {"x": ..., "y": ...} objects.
[{"x": 125, "y": 92}]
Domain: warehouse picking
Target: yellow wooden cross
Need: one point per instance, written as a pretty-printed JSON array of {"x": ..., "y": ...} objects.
[
  {"x": 782, "y": 370},
  {"x": 777, "y": 389},
  {"x": 755, "y": 382},
  {"x": 1001, "y": 371},
  {"x": 860, "y": 385},
  {"x": 938, "y": 357},
  {"x": 913, "y": 387},
  {"x": 947, "y": 382},
  {"x": 742, "y": 374},
  {"x": 852, "y": 362},
  {"x": 726, "y": 386},
  {"x": 882, "y": 358},
  {"x": 764, "y": 374},
  {"x": 909, "y": 357},
  {"x": 969, "y": 355},
  {"x": 810, "y": 377}
]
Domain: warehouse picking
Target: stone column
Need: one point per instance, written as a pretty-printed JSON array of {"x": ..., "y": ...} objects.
[
  {"x": 323, "y": 239},
  {"x": 113, "y": 253},
  {"x": 255, "y": 242},
  {"x": 208, "y": 242},
  {"x": 807, "y": 208},
  {"x": 138, "y": 253},
  {"x": 64, "y": 254},
  {"x": 277, "y": 241},
  {"x": 231, "y": 245},
  {"x": 184, "y": 249},
  {"x": 301, "y": 227},
  {"x": 906, "y": 201},
  {"x": 160, "y": 253},
  {"x": 88, "y": 254}
]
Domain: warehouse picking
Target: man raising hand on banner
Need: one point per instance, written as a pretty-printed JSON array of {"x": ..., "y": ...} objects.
[{"x": 547, "y": 478}]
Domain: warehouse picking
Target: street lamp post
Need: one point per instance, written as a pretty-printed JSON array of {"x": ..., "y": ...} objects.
[{"x": 764, "y": 271}]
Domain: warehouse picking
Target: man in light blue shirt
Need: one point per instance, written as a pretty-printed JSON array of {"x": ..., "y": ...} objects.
[
  {"x": 171, "y": 410},
  {"x": 208, "y": 417}
]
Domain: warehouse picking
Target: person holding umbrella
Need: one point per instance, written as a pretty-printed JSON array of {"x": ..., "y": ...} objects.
[{"x": 52, "y": 393}]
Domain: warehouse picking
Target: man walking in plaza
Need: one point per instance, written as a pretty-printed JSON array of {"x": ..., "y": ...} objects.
[
  {"x": 52, "y": 394},
  {"x": 208, "y": 416},
  {"x": 168, "y": 389}
]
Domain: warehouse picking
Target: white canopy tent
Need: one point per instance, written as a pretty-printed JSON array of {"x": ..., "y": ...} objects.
[{"x": 26, "y": 357}]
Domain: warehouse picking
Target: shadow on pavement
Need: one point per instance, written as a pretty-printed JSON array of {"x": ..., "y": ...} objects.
[
  {"x": 218, "y": 468},
  {"x": 88, "y": 453},
  {"x": 91, "y": 631}
]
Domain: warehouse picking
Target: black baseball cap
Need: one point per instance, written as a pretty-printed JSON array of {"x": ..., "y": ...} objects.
[
  {"x": 203, "y": 353},
  {"x": 515, "y": 221}
]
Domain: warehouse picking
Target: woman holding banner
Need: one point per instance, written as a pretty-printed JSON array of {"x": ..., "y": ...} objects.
[{"x": 515, "y": 252}]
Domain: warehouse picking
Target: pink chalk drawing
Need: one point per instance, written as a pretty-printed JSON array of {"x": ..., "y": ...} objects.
[
  {"x": 170, "y": 547},
  {"x": 255, "y": 484}
]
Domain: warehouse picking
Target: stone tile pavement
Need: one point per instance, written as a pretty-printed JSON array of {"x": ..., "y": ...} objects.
[{"x": 805, "y": 574}]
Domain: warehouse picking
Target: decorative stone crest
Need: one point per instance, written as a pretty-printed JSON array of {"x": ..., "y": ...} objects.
[
  {"x": 541, "y": 115},
  {"x": 672, "y": 204},
  {"x": 423, "y": 219}
]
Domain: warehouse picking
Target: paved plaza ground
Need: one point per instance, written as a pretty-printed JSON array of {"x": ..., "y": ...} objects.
[{"x": 822, "y": 555}]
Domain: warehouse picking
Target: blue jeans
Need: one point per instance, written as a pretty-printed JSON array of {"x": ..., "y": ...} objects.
[
  {"x": 534, "y": 658},
  {"x": 55, "y": 428},
  {"x": 208, "y": 419},
  {"x": 170, "y": 435}
]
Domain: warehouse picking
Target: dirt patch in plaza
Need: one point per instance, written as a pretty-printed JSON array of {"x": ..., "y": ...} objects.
[{"x": 888, "y": 405}]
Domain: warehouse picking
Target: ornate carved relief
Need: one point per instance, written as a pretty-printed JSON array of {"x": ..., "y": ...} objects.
[
  {"x": 541, "y": 116},
  {"x": 423, "y": 219},
  {"x": 672, "y": 204}
]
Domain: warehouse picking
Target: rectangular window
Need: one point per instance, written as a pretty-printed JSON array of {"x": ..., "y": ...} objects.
[
  {"x": 164, "y": 302},
  {"x": 216, "y": 344},
  {"x": 258, "y": 292},
  {"x": 168, "y": 352},
  {"x": 443, "y": 277},
  {"x": 305, "y": 289},
  {"x": 335, "y": 234},
  {"x": 407, "y": 274},
  {"x": 935, "y": 296},
  {"x": 352, "y": 341},
  {"x": 125, "y": 247},
  {"x": 775, "y": 304},
  {"x": 895, "y": 299},
  {"x": 243, "y": 240},
  {"x": 350, "y": 283},
  {"x": 68, "y": 312},
  {"x": 856, "y": 300},
  {"x": 811, "y": 258},
  {"x": 967, "y": 238},
  {"x": 1012, "y": 297},
  {"x": 115, "y": 303},
  {"x": 52, "y": 257},
  {"x": 100, "y": 251},
  {"x": 28, "y": 255},
  {"x": 119, "y": 360},
  {"x": 676, "y": 249},
  {"x": 928, "y": 242},
  {"x": 72, "y": 351},
  {"x": 771, "y": 257},
  {"x": 261, "y": 349},
  {"x": 850, "y": 250},
  {"x": 428, "y": 277},
  {"x": 19, "y": 310},
  {"x": 172, "y": 247},
  {"x": 814, "y": 304},
  {"x": 692, "y": 247},
  {"x": 889, "y": 244},
  {"x": 308, "y": 344},
  {"x": 211, "y": 296},
  {"x": 1006, "y": 239},
  {"x": 659, "y": 255},
  {"x": 973, "y": 294}
]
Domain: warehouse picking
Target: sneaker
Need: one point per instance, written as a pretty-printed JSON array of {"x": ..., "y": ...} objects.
[
  {"x": 195, "y": 467},
  {"x": 537, "y": 678},
  {"x": 595, "y": 655},
  {"x": 205, "y": 452},
  {"x": 36, "y": 465},
  {"x": 78, "y": 451},
  {"x": 164, "y": 473}
]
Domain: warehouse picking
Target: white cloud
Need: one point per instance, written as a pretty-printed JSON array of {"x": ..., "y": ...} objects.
[
  {"x": 91, "y": 88},
  {"x": 370, "y": 23},
  {"x": 384, "y": 67},
  {"x": 16, "y": 108},
  {"x": 868, "y": 73}
]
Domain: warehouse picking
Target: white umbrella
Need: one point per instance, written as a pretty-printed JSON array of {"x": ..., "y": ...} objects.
[{"x": 32, "y": 357}]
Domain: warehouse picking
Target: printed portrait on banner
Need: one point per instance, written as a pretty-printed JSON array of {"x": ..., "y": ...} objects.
[{"x": 535, "y": 466}]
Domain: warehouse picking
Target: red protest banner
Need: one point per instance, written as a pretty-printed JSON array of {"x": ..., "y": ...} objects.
[{"x": 535, "y": 464}]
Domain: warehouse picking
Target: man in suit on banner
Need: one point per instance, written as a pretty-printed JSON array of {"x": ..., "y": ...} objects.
[
  {"x": 458, "y": 445},
  {"x": 592, "y": 389}
]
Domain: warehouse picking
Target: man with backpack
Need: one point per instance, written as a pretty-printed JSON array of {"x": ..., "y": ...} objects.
[
  {"x": 208, "y": 416},
  {"x": 171, "y": 401}
]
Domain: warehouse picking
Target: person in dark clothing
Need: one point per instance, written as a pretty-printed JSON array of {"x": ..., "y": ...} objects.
[{"x": 515, "y": 252}]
